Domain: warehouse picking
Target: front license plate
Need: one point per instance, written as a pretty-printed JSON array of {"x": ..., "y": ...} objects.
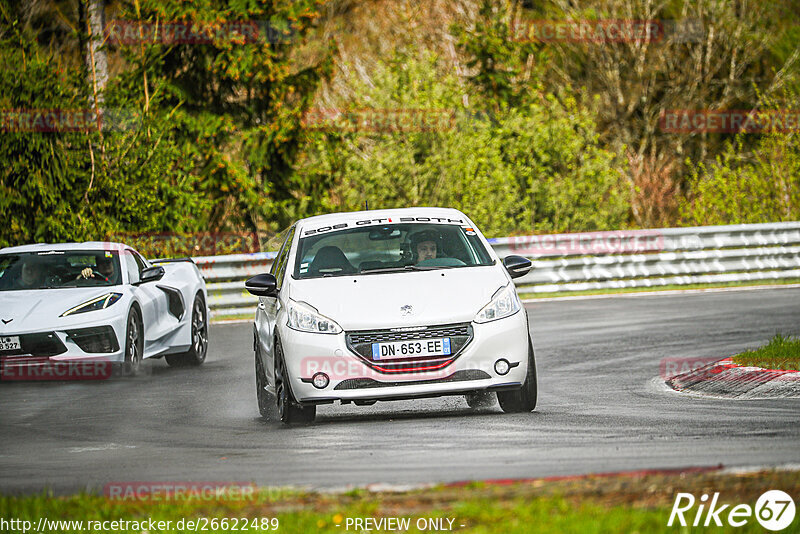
[
  {"x": 9, "y": 343},
  {"x": 407, "y": 349}
]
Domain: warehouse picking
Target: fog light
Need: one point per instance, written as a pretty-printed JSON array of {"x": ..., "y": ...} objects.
[
  {"x": 501, "y": 366},
  {"x": 321, "y": 380}
]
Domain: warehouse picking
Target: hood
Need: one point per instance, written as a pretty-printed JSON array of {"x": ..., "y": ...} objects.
[
  {"x": 40, "y": 309},
  {"x": 374, "y": 301}
]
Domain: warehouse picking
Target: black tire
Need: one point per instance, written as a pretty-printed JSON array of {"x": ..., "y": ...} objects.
[
  {"x": 266, "y": 404},
  {"x": 196, "y": 355},
  {"x": 522, "y": 399},
  {"x": 289, "y": 410},
  {"x": 480, "y": 399},
  {"x": 134, "y": 344}
]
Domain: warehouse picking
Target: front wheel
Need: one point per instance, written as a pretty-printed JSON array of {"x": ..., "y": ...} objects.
[
  {"x": 288, "y": 409},
  {"x": 196, "y": 355},
  {"x": 524, "y": 398},
  {"x": 134, "y": 344},
  {"x": 266, "y": 406}
]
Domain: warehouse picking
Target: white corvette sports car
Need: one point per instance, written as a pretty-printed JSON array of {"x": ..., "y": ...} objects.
[
  {"x": 390, "y": 304},
  {"x": 101, "y": 302}
]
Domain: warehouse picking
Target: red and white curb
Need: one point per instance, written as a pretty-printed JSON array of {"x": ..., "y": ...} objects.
[{"x": 728, "y": 380}]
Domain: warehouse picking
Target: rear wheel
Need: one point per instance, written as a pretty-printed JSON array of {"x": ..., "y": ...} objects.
[
  {"x": 134, "y": 344},
  {"x": 288, "y": 409},
  {"x": 196, "y": 355},
  {"x": 524, "y": 398}
]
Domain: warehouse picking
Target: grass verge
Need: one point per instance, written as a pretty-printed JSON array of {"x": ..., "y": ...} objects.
[
  {"x": 780, "y": 353},
  {"x": 671, "y": 287},
  {"x": 618, "y": 503}
]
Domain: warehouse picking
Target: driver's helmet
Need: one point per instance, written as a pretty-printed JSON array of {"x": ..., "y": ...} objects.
[{"x": 420, "y": 237}]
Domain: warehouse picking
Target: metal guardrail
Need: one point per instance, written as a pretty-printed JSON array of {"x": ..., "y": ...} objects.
[
  {"x": 225, "y": 276},
  {"x": 587, "y": 261}
]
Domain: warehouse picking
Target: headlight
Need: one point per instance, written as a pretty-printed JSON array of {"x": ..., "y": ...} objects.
[
  {"x": 100, "y": 303},
  {"x": 503, "y": 304},
  {"x": 306, "y": 319}
]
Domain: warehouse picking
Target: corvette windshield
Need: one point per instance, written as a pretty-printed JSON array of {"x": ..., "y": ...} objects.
[
  {"x": 59, "y": 269},
  {"x": 389, "y": 248}
]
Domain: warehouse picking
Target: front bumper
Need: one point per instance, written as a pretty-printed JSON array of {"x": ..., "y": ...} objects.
[
  {"x": 351, "y": 379},
  {"x": 85, "y": 350}
]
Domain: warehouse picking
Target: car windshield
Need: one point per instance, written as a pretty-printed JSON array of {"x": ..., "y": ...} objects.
[
  {"x": 59, "y": 269},
  {"x": 379, "y": 249}
]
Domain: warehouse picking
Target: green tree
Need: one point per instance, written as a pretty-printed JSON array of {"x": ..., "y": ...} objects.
[
  {"x": 62, "y": 183},
  {"x": 237, "y": 100},
  {"x": 411, "y": 142}
]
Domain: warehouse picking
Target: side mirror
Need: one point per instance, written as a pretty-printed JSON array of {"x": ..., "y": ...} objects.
[
  {"x": 517, "y": 265},
  {"x": 262, "y": 285},
  {"x": 152, "y": 274}
]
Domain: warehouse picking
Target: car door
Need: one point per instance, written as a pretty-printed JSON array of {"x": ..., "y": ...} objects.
[
  {"x": 268, "y": 308},
  {"x": 149, "y": 298}
]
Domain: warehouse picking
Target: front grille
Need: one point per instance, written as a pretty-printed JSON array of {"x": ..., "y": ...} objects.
[
  {"x": 430, "y": 332},
  {"x": 40, "y": 344},
  {"x": 95, "y": 340},
  {"x": 367, "y": 383},
  {"x": 360, "y": 343}
]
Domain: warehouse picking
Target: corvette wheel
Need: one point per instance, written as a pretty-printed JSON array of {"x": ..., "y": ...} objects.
[
  {"x": 197, "y": 354},
  {"x": 480, "y": 399},
  {"x": 288, "y": 409},
  {"x": 134, "y": 344},
  {"x": 524, "y": 398}
]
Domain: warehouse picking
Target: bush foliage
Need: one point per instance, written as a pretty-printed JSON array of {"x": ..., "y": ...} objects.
[{"x": 455, "y": 110}]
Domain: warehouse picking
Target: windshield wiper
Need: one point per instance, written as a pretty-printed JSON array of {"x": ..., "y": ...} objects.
[{"x": 392, "y": 269}]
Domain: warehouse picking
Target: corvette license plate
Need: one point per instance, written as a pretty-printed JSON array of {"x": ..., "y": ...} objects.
[
  {"x": 9, "y": 343},
  {"x": 408, "y": 349}
]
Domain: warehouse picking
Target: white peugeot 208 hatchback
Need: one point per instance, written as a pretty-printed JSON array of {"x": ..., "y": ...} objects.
[{"x": 388, "y": 305}]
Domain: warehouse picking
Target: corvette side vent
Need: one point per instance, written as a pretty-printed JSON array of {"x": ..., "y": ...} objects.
[{"x": 174, "y": 301}]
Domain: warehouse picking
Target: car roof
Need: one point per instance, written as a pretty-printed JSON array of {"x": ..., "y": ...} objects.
[
  {"x": 334, "y": 218},
  {"x": 44, "y": 247}
]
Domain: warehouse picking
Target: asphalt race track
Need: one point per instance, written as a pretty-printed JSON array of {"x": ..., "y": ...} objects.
[{"x": 598, "y": 411}]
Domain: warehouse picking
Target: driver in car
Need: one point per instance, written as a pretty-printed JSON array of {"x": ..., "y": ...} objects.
[
  {"x": 105, "y": 271},
  {"x": 425, "y": 245}
]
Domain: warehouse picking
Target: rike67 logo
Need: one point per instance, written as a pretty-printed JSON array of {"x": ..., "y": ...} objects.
[{"x": 774, "y": 510}]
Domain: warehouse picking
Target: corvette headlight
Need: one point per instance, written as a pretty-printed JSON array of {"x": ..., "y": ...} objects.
[
  {"x": 306, "y": 319},
  {"x": 100, "y": 303},
  {"x": 503, "y": 304}
]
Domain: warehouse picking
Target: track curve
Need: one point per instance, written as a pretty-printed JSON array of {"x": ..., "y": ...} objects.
[{"x": 598, "y": 411}]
